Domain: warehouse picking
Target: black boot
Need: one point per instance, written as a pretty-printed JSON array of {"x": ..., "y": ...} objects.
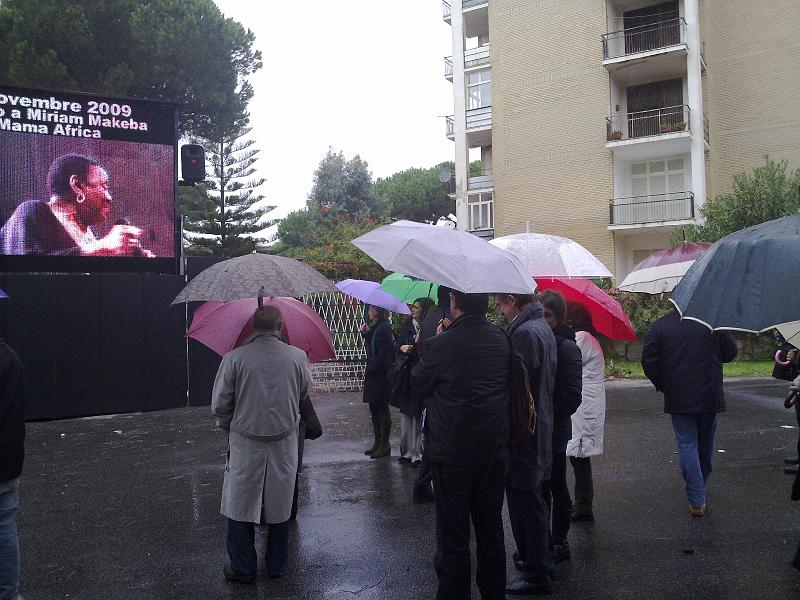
[{"x": 376, "y": 430}]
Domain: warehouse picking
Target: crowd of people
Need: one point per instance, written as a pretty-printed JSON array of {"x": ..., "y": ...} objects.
[{"x": 449, "y": 371}]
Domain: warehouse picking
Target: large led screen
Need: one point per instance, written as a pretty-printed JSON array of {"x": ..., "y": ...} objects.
[{"x": 87, "y": 183}]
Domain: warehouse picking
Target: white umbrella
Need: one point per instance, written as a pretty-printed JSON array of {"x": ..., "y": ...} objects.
[
  {"x": 660, "y": 272},
  {"x": 790, "y": 332},
  {"x": 552, "y": 256},
  {"x": 450, "y": 257}
]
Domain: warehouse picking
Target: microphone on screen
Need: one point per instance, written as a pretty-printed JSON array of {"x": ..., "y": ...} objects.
[{"x": 126, "y": 221}]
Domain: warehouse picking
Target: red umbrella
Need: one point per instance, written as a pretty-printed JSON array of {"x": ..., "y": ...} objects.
[
  {"x": 223, "y": 327},
  {"x": 607, "y": 314}
]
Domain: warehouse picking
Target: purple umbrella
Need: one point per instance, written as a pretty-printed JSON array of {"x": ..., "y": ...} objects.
[{"x": 371, "y": 293}]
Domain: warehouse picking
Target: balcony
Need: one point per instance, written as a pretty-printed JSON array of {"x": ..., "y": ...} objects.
[
  {"x": 649, "y": 133},
  {"x": 484, "y": 181},
  {"x": 656, "y": 50},
  {"x": 659, "y": 209},
  {"x": 479, "y": 127},
  {"x": 448, "y": 68},
  {"x": 476, "y": 57},
  {"x": 447, "y": 11}
]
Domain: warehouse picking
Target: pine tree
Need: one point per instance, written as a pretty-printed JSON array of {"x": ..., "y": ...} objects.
[{"x": 221, "y": 215}]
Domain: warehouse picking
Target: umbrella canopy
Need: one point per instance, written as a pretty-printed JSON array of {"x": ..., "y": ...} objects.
[
  {"x": 446, "y": 256},
  {"x": 747, "y": 281},
  {"x": 223, "y": 327},
  {"x": 607, "y": 314},
  {"x": 790, "y": 332},
  {"x": 371, "y": 293},
  {"x": 660, "y": 272},
  {"x": 409, "y": 289},
  {"x": 244, "y": 276},
  {"x": 552, "y": 256}
]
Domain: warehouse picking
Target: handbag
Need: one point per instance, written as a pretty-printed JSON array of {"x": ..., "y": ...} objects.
[
  {"x": 523, "y": 405},
  {"x": 309, "y": 419}
]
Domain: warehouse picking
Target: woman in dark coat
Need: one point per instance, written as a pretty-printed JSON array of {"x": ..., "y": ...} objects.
[{"x": 379, "y": 340}]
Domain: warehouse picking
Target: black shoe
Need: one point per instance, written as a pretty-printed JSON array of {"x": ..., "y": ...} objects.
[
  {"x": 791, "y": 470},
  {"x": 403, "y": 459},
  {"x": 538, "y": 586},
  {"x": 588, "y": 517},
  {"x": 561, "y": 552},
  {"x": 519, "y": 565},
  {"x": 791, "y": 461},
  {"x": 238, "y": 578},
  {"x": 416, "y": 464},
  {"x": 277, "y": 574}
]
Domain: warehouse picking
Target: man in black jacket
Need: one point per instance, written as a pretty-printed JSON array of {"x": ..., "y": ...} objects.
[
  {"x": 465, "y": 376},
  {"x": 683, "y": 359},
  {"x": 12, "y": 439},
  {"x": 530, "y": 467}
]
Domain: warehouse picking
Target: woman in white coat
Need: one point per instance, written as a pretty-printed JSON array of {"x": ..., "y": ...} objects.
[{"x": 588, "y": 422}]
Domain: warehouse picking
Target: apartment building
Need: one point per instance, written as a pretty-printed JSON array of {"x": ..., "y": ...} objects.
[{"x": 613, "y": 121}]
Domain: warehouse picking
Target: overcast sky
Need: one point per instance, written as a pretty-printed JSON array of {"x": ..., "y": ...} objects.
[{"x": 363, "y": 76}]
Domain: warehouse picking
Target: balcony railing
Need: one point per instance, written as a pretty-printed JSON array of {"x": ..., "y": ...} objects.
[
  {"x": 476, "y": 56},
  {"x": 659, "y": 121},
  {"x": 448, "y": 67},
  {"x": 644, "y": 38},
  {"x": 450, "y": 125},
  {"x": 658, "y": 208},
  {"x": 447, "y": 10},
  {"x": 466, "y": 4},
  {"x": 484, "y": 181}
]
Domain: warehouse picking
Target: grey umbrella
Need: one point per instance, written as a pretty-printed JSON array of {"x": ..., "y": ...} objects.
[
  {"x": 246, "y": 276},
  {"x": 446, "y": 256},
  {"x": 747, "y": 281}
]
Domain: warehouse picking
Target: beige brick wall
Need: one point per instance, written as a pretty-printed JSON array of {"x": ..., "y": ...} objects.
[
  {"x": 753, "y": 79},
  {"x": 550, "y": 100}
]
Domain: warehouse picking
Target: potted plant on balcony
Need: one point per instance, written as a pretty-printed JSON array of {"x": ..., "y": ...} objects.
[
  {"x": 613, "y": 136},
  {"x": 673, "y": 127}
]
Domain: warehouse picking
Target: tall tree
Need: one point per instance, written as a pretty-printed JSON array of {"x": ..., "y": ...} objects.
[
  {"x": 344, "y": 188},
  {"x": 221, "y": 216},
  {"x": 770, "y": 191},
  {"x": 182, "y": 51}
]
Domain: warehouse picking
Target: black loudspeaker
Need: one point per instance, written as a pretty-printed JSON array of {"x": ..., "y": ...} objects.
[{"x": 193, "y": 163}]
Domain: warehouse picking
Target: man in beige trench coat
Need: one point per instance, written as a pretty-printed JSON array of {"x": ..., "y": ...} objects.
[{"x": 256, "y": 398}]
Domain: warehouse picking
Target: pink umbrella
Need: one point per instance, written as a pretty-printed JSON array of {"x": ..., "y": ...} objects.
[
  {"x": 660, "y": 272},
  {"x": 223, "y": 327},
  {"x": 607, "y": 314}
]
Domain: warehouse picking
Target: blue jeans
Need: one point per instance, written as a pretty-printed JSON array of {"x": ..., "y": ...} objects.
[
  {"x": 9, "y": 542},
  {"x": 694, "y": 437}
]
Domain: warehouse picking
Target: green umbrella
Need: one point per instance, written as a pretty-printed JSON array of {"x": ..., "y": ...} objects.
[{"x": 408, "y": 289}]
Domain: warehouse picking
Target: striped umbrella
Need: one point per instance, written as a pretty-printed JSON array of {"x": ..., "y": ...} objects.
[{"x": 659, "y": 273}]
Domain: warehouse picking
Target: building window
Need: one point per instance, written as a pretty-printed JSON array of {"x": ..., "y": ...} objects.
[
  {"x": 481, "y": 211},
  {"x": 659, "y": 177},
  {"x": 479, "y": 89}
]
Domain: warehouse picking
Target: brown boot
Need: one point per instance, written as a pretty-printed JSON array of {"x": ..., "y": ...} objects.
[
  {"x": 384, "y": 449},
  {"x": 376, "y": 430}
]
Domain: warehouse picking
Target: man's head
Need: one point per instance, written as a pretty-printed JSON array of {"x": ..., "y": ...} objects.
[
  {"x": 513, "y": 304},
  {"x": 83, "y": 182},
  {"x": 267, "y": 318},
  {"x": 468, "y": 304},
  {"x": 554, "y": 306}
]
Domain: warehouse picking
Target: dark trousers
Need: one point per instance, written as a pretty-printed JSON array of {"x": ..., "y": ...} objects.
[
  {"x": 242, "y": 548},
  {"x": 462, "y": 493},
  {"x": 584, "y": 488},
  {"x": 559, "y": 501},
  {"x": 530, "y": 524}
]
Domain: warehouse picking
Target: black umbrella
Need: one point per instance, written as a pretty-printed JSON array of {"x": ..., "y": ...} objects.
[
  {"x": 748, "y": 281},
  {"x": 253, "y": 274}
]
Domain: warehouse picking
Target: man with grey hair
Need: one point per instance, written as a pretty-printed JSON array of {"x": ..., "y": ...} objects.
[{"x": 256, "y": 398}]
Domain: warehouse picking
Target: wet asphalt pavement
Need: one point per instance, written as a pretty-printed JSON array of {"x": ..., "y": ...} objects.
[{"x": 128, "y": 507}]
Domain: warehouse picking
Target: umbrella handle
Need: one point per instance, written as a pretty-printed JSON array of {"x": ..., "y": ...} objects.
[{"x": 783, "y": 363}]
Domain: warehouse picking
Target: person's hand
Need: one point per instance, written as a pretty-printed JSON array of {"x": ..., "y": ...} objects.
[
  {"x": 443, "y": 324},
  {"x": 406, "y": 348},
  {"x": 122, "y": 240},
  {"x": 364, "y": 328},
  {"x": 795, "y": 385}
]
